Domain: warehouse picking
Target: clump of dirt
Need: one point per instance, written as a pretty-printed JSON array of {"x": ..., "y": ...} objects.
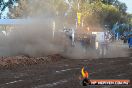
[{"x": 9, "y": 62}]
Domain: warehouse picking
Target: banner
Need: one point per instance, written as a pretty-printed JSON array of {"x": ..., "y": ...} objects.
[{"x": 79, "y": 18}]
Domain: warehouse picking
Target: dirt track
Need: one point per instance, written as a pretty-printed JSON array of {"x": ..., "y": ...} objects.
[{"x": 65, "y": 73}]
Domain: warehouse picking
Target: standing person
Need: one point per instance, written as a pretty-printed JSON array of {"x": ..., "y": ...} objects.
[
  {"x": 102, "y": 43},
  {"x": 130, "y": 41},
  {"x": 73, "y": 37}
]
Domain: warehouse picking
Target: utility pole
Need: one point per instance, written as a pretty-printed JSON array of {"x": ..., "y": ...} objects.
[
  {"x": 107, "y": 2},
  {"x": 53, "y": 30}
]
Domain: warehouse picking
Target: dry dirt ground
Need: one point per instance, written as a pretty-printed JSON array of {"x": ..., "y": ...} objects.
[
  {"x": 65, "y": 73},
  {"x": 59, "y": 72}
]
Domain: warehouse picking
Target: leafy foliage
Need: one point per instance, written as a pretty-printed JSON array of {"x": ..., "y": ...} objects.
[
  {"x": 103, "y": 11},
  {"x": 4, "y": 5}
]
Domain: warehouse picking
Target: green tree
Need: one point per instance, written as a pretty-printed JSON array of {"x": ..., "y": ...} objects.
[
  {"x": 93, "y": 11},
  {"x": 8, "y": 4},
  {"x": 97, "y": 12},
  {"x": 27, "y": 8}
]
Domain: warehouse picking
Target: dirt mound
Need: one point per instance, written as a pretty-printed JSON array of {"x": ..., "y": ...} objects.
[{"x": 8, "y": 62}]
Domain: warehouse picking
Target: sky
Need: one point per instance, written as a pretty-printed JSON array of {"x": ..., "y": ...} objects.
[{"x": 129, "y": 5}]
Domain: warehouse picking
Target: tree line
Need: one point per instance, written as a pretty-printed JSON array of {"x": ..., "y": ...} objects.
[{"x": 105, "y": 12}]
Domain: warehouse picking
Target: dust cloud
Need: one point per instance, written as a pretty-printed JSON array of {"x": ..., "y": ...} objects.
[{"x": 36, "y": 38}]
